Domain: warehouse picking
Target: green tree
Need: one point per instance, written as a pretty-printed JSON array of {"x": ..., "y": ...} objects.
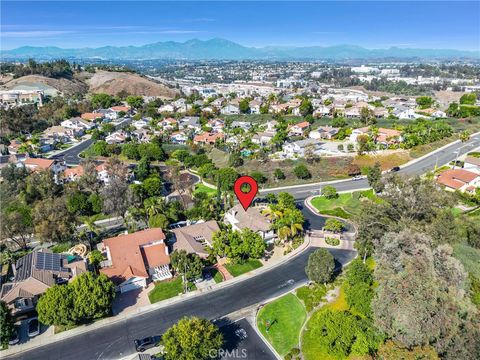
[
  {"x": 238, "y": 245},
  {"x": 153, "y": 185},
  {"x": 95, "y": 258},
  {"x": 468, "y": 99},
  {"x": 424, "y": 102},
  {"x": 188, "y": 265},
  {"x": 55, "y": 306},
  {"x": 329, "y": 192},
  {"x": 320, "y": 266},
  {"x": 333, "y": 225},
  {"x": 259, "y": 177},
  {"x": 301, "y": 171},
  {"x": 278, "y": 174},
  {"x": 306, "y": 107},
  {"x": 244, "y": 106},
  {"x": 6, "y": 324},
  {"x": 135, "y": 101},
  {"x": 393, "y": 351},
  {"x": 192, "y": 339},
  {"x": 142, "y": 171},
  {"x": 92, "y": 296},
  {"x": 102, "y": 101},
  {"x": 235, "y": 160},
  {"x": 374, "y": 177}
]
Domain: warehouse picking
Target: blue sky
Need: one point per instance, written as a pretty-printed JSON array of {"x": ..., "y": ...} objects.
[{"x": 380, "y": 24}]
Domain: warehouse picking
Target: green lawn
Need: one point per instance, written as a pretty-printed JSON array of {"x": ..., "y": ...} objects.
[
  {"x": 217, "y": 276},
  {"x": 345, "y": 205},
  {"x": 202, "y": 188},
  {"x": 239, "y": 269},
  {"x": 311, "y": 295},
  {"x": 286, "y": 316},
  {"x": 167, "y": 289},
  {"x": 469, "y": 257}
]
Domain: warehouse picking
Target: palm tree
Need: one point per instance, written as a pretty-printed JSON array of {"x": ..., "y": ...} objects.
[
  {"x": 271, "y": 213},
  {"x": 154, "y": 206}
]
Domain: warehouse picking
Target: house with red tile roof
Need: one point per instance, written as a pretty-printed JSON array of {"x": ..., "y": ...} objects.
[
  {"x": 40, "y": 164},
  {"x": 208, "y": 138},
  {"x": 92, "y": 116},
  {"x": 298, "y": 129},
  {"x": 459, "y": 179},
  {"x": 134, "y": 258}
]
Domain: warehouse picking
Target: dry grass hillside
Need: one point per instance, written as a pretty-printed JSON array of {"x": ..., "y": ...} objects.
[
  {"x": 114, "y": 82},
  {"x": 51, "y": 86}
]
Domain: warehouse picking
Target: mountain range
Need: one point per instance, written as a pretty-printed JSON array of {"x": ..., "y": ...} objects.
[{"x": 221, "y": 49}]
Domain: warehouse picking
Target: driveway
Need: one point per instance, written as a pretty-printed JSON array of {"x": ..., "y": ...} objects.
[{"x": 131, "y": 300}]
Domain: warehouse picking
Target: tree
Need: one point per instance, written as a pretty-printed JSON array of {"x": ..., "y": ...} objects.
[
  {"x": 53, "y": 221},
  {"x": 393, "y": 351},
  {"x": 420, "y": 298},
  {"x": 302, "y": 172},
  {"x": 333, "y": 225},
  {"x": 135, "y": 101},
  {"x": 95, "y": 258},
  {"x": 238, "y": 245},
  {"x": 235, "y": 160},
  {"x": 142, "y": 171},
  {"x": 464, "y": 136},
  {"x": 192, "y": 339},
  {"x": 117, "y": 185},
  {"x": 374, "y": 177},
  {"x": 6, "y": 324},
  {"x": 278, "y": 174},
  {"x": 468, "y": 99},
  {"x": 16, "y": 223},
  {"x": 92, "y": 296},
  {"x": 188, "y": 265},
  {"x": 153, "y": 185},
  {"x": 321, "y": 266},
  {"x": 367, "y": 116},
  {"x": 329, "y": 192},
  {"x": 424, "y": 102},
  {"x": 259, "y": 177},
  {"x": 244, "y": 105},
  {"x": 306, "y": 107},
  {"x": 362, "y": 144},
  {"x": 102, "y": 101},
  {"x": 55, "y": 306}
]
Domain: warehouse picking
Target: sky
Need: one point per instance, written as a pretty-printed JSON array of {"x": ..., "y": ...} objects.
[{"x": 377, "y": 24}]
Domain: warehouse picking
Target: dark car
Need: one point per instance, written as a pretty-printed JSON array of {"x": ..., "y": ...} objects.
[
  {"x": 15, "y": 337},
  {"x": 33, "y": 327},
  {"x": 395, "y": 169},
  {"x": 146, "y": 343},
  {"x": 207, "y": 275}
]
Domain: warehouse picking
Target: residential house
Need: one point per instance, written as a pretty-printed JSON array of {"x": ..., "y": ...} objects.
[
  {"x": 140, "y": 124},
  {"x": 459, "y": 179},
  {"x": 168, "y": 123},
  {"x": 167, "y": 108},
  {"x": 14, "y": 146},
  {"x": 218, "y": 103},
  {"x": 322, "y": 111},
  {"x": 134, "y": 258},
  {"x": 92, "y": 116},
  {"x": 299, "y": 129},
  {"x": 34, "y": 273},
  {"x": 254, "y": 106},
  {"x": 263, "y": 138},
  {"x": 299, "y": 148},
  {"x": 78, "y": 124},
  {"x": 384, "y": 137},
  {"x": 73, "y": 174},
  {"x": 195, "y": 238},
  {"x": 472, "y": 164},
  {"x": 208, "y": 138},
  {"x": 241, "y": 124},
  {"x": 190, "y": 123},
  {"x": 216, "y": 125},
  {"x": 252, "y": 219},
  {"x": 117, "y": 137},
  {"x": 107, "y": 114},
  {"x": 178, "y": 137},
  {"x": 324, "y": 132},
  {"x": 405, "y": 113},
  {"x": 230, "y": 109},
  {"x": 142, "y": 135},
  {"x": 118, "y": 110},
  {"x": 271, "y": 126},
  {"x": 40, "y": 164},
  {"x": 61, "y": 134}
]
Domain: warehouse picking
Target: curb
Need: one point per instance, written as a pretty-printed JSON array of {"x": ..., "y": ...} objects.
[{"x": 82, "y": 329}]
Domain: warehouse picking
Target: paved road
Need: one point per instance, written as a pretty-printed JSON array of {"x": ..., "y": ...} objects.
[
  {"x": 422, "y": 166},
  {"x": 116, "y": 341},
  {"x": 71, "y": 156}
]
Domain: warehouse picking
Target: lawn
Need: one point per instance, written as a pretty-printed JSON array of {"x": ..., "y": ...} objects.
[
  {"x": 238, "y": 269},
  {"x": 311, "y": 295},
  {"x": 167, "y": 289},
  {"x": 469, "y": 257},
  {"x": 217, "y": 276},
  {"x": 344, "y": 206},
  {"x": 286, "y": 316},
  {"x": 205, "y": 189}
]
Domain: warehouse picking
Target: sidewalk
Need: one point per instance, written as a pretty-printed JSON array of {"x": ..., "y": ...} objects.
[
  {"x": 40, "y": 341},
  {"x": 59, "y": 152}
]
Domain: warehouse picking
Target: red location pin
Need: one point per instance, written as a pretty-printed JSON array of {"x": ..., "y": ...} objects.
[{"x": 245, "y": 198}]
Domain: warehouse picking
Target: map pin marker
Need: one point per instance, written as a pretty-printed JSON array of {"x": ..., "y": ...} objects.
[{"x": 245, "y": 198}]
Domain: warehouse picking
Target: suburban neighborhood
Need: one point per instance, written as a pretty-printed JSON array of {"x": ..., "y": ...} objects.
[{"x": 124, "y": 229}]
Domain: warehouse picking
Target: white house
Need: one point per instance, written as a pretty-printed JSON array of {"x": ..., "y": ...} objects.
[
  {"x": 178, "y": 137},
  {"x": 140, "y": 124},
  {"x": 77, "y": 124},
  {"x": 252, "y": 219},
  {"x": 230, "y": 109},
  {"x": 299, "y": 148},
  {"x": 472, "y": 164}
]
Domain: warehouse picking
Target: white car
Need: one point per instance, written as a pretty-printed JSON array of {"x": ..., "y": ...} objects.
[{"x": 357, "y": 177}]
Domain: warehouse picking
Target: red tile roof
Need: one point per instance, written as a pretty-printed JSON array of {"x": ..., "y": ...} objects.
[
  {"x": 74, "y": 172},
  {"x": 91, "y": 116},
  {"x": 39, "y": 163},
  {"x": 120, "y": 108},
  {"x": 132, "y": 254},
  {"x": 456, "y": 178}
]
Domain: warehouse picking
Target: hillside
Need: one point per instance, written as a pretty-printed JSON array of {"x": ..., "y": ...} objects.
[
  {"x": 51, "y": 86},
  {"x": 133, "y": 84}
]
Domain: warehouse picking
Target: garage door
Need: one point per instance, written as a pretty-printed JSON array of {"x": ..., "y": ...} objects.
[{"x": 138, "y": 284}]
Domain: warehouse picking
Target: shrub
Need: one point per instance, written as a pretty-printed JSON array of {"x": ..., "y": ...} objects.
[{"x": 302, "y": 172}]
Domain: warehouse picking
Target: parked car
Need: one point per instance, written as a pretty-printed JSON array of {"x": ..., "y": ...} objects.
[
  {"x": 207, "y": 275},
  {"x": 33, "y": 327},
  {"x": 395, "y": 169},
  {"x": 15, "y": 338},
  {"x": 146, "y": 343},
  {"x": 357, "y": 177}
]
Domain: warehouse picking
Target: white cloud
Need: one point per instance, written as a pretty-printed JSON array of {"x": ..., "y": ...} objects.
[{"x": 33, "y": 33}]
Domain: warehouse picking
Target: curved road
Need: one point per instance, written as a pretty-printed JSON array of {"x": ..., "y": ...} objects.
[{"x": 116, "y": 341}]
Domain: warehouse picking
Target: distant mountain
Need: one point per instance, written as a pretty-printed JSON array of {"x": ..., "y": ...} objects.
[{"x": 221, "y": 49}]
